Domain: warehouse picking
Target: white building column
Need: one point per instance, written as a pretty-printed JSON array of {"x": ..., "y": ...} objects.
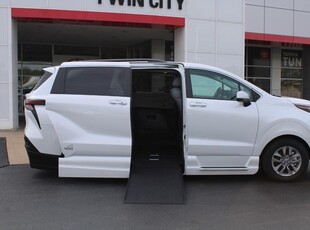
[
  {"x": 180, "y": 45},
  {"x": 8, "y": 70},
  {"x": 275, "y": 74},
  {"x": 158, "y": 49},
  {"x": 213, "y": 34}
]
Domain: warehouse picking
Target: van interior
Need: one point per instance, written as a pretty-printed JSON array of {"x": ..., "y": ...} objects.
[{"x": 157, "y": 122}]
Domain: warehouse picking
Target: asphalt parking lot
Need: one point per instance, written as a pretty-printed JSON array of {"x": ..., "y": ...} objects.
[{"x": 34, "y": 199}]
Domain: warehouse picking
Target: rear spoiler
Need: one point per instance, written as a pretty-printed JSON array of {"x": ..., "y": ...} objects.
[{"x": 51, "y": 69}]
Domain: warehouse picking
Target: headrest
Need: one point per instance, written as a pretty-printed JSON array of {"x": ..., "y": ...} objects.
[{"x": 176, "y": 82}]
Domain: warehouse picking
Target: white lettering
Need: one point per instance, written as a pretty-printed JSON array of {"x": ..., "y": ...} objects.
[
  {"x": 285, "y": 60},
  {"x": 298, "y": 62},
  {"x": 292, "y": 62}
]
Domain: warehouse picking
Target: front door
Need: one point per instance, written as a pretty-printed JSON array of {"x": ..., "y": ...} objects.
[{"x": 221, "y": 131}]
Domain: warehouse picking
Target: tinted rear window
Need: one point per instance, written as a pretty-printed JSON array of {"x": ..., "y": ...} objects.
[{"x": 93, "y": 81}]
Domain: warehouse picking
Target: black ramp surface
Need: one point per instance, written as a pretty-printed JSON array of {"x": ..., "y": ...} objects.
[
  {"x": 155, "y": 185},
  {"x": 3, "y": 153}
]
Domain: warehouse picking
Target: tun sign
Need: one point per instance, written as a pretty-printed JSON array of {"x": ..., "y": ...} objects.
[{"x": 292, "y": 58}]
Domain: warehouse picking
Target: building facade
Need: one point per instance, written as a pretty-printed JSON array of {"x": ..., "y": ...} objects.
[
  {"x": 265, "y": 41},
  {"x": 277, "y": 46}
]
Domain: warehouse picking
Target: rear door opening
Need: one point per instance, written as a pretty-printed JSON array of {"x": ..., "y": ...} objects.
[{"x": 157, "y": 122}]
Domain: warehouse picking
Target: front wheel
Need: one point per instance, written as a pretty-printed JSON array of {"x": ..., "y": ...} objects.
[{"x": 285, "y": 160}]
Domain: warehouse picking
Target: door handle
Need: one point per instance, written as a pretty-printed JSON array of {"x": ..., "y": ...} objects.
[
  {"x": 117, "y": 102},
  {"x": 197, "y": 104}
]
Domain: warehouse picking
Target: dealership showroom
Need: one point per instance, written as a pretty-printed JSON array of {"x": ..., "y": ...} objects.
[{"x": 263, "y": 41}]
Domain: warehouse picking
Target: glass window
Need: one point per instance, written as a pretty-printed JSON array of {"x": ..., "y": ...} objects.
[
  {"x": 34, "y": 69},
  {"x": 291, "y": 88},
  {"x": 143, "y": 50},
  {"x": 291, "y": 73},
  {"x": 257, "y": 66},
  {"x": 36, "y": 53},
  {"x": 258, "y": 56},
  {"x": 32, "y": 58},
  {"x": 206, "y": 87},
  {"x": 255, "y": 72},
  {"x": 211, "y": 85},
  {"x": 113, "y": 53},
  {"x": 28, "y": 76},
  {"x": 261, "y": 83},
  {"x": 97, "y": 81},
  {"x": 169, "y": 50},
  {"x": 153, "y": 81},
  {"x": 19, "y": 52},
  {"x": 76, "y": 50}
]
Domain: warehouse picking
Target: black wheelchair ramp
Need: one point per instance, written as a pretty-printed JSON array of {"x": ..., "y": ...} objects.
[{"x": 155, "y": 178}]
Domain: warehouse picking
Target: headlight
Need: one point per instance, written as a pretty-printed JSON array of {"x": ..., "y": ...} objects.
[{"x": 303, "y": 107}]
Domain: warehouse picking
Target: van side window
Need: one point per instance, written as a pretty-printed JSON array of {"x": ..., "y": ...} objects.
[
  {"x": 94, "y": 81},
  {"x": 212, "y": 85}
]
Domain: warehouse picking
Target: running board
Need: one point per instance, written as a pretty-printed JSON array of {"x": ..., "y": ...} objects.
[
  {"x": 223, "y": 169},
  {"x": 94, "y": 167},
  {"x": 239, "y": 165}
]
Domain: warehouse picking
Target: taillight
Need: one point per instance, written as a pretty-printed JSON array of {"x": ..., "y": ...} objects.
[{"x": 30, "y": 103}]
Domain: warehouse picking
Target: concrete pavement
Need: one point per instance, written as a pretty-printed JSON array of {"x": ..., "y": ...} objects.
[
  {"x": 36, "y": 199},
  {"x": 15, "y": 146}
]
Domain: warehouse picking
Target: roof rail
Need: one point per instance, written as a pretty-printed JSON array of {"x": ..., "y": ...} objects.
[{"x": 144, "y": 60}]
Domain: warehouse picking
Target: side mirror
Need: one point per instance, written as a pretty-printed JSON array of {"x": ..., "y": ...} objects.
[{"x": 244, "y": 98}]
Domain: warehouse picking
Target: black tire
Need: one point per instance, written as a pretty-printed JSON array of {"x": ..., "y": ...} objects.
[{"x": 285, "y": 160}]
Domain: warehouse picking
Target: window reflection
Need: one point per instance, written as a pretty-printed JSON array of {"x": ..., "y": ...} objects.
[
  {"x": 257, "y": 66},
  {"x": 291, "y": 88},
  {"x": 291, "y": 73},
  {"x": 28, "y": 75}
]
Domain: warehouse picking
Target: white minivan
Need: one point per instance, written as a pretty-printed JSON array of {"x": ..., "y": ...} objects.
[{"x": 101, "y": 118}]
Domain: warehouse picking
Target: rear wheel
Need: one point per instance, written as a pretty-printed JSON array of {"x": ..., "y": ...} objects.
[{"x": 285, "y": 160}]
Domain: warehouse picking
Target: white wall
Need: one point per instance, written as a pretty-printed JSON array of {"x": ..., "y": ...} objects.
[
  {"x": 214, "y": 34},
  {"x": 278, "y": 17},
  {"x": 8, "y": 70}
]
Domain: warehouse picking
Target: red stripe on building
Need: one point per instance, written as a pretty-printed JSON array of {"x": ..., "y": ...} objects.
[
  {"x": 277, "y": 38},
  {"x": 87, "y": 16}
]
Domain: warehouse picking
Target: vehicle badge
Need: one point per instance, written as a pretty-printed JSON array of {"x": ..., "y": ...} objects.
[{"x": 69, "y": 147}]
